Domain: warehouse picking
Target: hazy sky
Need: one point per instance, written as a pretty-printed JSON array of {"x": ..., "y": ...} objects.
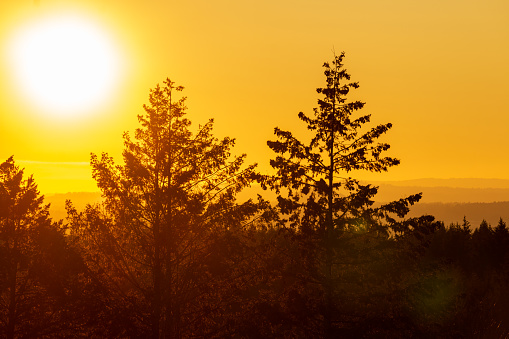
[{"x": 438, "y": 70}]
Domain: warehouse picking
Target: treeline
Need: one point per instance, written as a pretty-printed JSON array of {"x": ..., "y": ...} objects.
[
  {"x": 475, "y": 212},
  {"x": 172, "y": 253}
]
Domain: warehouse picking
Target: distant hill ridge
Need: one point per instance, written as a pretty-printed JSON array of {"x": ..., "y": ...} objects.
[
  {"x": 475, "y": 213},
  {"x": 451, "y": 183},
  {"x": 443, "y": 194},
  {"x": 447, "y": 199}
]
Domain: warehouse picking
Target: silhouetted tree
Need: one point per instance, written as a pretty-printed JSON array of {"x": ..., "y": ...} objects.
[
  {"x": 164, "y": 209},
  {"x": 483, "y": 241},
  {"x": 36, "y": 265},
  {"x": 313, "y": 182},
  {"x": 466, "y": 226},
  {"x": 501, "y": 234},
  {"x": 453, "y": 246},
  {"x": 22, "y": 215}
]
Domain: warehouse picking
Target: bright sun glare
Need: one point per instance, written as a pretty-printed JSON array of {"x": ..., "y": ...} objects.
[{"x": 64, "y": 64}]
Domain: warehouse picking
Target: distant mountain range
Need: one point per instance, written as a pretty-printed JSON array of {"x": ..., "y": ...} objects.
[{"x": 447, "y": 199}]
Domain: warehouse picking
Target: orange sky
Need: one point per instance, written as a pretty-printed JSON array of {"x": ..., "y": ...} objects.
[{"x": 437, "y": 70}]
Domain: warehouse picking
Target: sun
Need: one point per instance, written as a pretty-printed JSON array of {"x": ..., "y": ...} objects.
[{"x": 64, "y": 64}]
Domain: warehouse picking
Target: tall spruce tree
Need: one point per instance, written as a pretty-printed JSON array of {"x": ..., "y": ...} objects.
[
  {"x": 151, "y": 237},
  {"x": 313, "y": 179}
]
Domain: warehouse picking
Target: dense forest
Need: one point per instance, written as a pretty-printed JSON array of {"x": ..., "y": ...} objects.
[{"x": 170, "y": 252}]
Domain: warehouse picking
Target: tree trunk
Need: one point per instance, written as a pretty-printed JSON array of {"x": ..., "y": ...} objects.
[
  {"x": 157, "y": 276},
  {"x": 13, "y": 273},
  {"x": 157, "y": 270},
  {"x": 329, "y": 230}
]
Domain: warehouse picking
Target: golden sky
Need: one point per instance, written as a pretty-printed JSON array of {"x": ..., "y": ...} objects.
[{"x": 438, "y": 70}]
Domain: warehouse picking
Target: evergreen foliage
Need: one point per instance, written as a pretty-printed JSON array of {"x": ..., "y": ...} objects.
[
  {"x": 313, "y": 178},
  {"x": 42, "y": 283},
  {"x": 170, "y": 252},
  {"x": 317, "y": 192},
  {"x": 163, "y": 210}
]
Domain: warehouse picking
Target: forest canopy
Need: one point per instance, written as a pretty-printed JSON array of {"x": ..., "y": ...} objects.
[{"x": 171, "y": 251}]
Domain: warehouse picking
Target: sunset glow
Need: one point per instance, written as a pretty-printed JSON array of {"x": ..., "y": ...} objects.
[
  {"x": 254, "y": 169},
  {"x": 64, "y": 64},
  {"x": 75, "y": 77}
]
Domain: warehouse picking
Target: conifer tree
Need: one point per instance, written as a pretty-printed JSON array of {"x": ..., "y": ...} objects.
[
  {"x": 22, "y": 213},
  {"x": 501, "y": 228},
  {"x": 151, "y": 237},
  {"x": 29, "y": 295},
  {"x": 501, "y": 235},
  {"x": 465, "y": 226},
  {"x": 313, "y": 179}
]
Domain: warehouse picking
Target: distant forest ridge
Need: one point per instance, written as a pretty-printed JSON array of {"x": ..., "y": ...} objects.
[
  {"x": 449, "y": 200},
  {"x": 475, "y": 213},
  {"x": 451, "y": 182},
  {"x": 443, "y": 194}
]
